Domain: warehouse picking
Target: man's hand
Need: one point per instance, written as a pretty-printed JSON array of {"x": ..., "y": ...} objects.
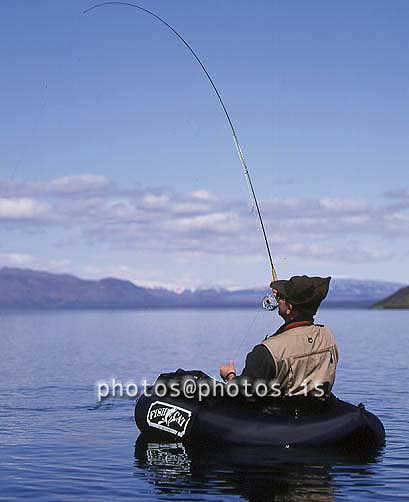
[{"x": 227, "y": 371}]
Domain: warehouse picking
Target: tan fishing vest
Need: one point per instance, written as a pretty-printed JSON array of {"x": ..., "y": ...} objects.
[{"x": 306, "y": 358}]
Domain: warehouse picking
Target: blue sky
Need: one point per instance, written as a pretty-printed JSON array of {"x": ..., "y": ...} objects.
[{"x": 116, "y": 158}]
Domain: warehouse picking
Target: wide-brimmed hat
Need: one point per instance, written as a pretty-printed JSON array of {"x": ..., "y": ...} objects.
[{"x": 302, "y": 291}]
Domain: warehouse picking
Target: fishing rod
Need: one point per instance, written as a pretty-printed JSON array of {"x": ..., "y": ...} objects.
[{"x": 267, "y": 303}]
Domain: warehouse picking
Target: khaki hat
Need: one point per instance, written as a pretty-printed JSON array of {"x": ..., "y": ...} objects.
[{"x": 303, "y": 291}]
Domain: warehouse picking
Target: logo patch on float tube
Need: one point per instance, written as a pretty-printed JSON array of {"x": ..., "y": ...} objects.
[{"x": 168, "y": 417}]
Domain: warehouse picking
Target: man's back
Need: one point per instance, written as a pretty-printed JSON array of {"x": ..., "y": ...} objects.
[{"x": 305, "y": 360}]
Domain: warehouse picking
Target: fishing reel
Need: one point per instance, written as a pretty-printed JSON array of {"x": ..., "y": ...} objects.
[{"x": 270, "y": 302}]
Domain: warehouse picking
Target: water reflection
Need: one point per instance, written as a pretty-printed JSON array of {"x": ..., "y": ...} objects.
[{"x": 257, "y": 474}]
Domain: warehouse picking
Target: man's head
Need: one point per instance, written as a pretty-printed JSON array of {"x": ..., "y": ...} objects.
[{"x": 300, "y": 295}]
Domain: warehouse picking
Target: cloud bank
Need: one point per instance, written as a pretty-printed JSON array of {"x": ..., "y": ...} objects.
[{"x": 159, "y": 220}]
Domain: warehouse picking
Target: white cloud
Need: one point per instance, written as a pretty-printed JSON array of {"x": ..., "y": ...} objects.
[
  {"x": 190, "y": 207},
  {"x": 358, "y": 220},
  {"x": 25, "y": 260},
  {"x": 16, "y": 259},
  {"x": 215, "y": 222},
  {"x": 120, "y": 209},
  {"x": 343, "y": 205},
  {"x": 350, "y": 253},
  {"x": 156, "y": 200},
  {"x": 22, "y": 209},
  {"x": 76, "y": 184},
  {"x": 203, "y": 195},
  {"x": 65, "y": 186}
]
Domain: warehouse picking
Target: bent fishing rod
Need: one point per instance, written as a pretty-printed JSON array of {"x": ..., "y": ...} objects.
[{"x": 235, "y": 137}]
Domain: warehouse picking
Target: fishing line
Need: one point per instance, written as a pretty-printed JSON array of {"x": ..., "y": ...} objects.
[{"x": 235, "y": 137}]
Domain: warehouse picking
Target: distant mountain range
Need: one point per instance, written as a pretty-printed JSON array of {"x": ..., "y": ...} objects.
[
  {"x": 398, "y": 300},
  {"x": 31, "y": 289}
]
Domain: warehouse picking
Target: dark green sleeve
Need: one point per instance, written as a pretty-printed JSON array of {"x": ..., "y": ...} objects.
[{"x": 259, "y": 365}]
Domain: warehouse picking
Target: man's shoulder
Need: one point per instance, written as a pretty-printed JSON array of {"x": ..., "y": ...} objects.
[
  {"x": 325, "y": 328},
  {"x": 259, "y": 349},
  {"x": 258, "y": 355},
  {"x": 292, "y": 335}
]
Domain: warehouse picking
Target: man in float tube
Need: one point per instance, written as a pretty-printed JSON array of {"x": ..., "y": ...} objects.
[{"x": 300, "y": 357}]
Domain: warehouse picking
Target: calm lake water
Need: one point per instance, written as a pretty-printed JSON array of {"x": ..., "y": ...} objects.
[{"x": 57, "y": 444}]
